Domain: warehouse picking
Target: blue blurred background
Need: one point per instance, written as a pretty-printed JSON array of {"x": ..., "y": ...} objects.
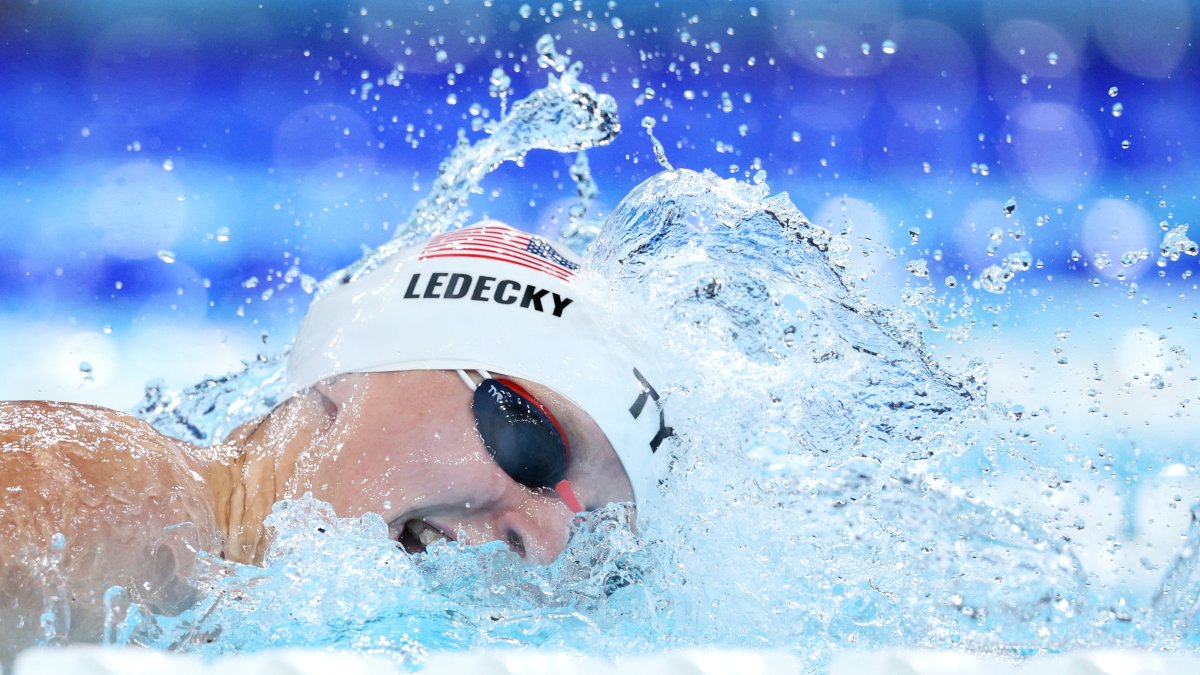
[{"x": 174, "y": 175}]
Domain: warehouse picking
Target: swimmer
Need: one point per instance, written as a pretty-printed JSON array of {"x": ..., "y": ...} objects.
[{"x": 463, "y": 389}]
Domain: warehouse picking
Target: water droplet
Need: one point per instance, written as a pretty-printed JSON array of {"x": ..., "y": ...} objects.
[
  {"x": 1125, "y": 144},
  {"x": 760, "y": 177},
  {"x": 919, "y": 268},
  {"x": 889, "y": 47},
  {"x": 995, "y": 278},
  {"x": 525, "y": 11},
  {"x": 1176, "y": 243},
  {"x": 1052, "y": 58},
  {"x": 660, "y": 154},
  {"x": 85, "y": 132},
  {"x": 951, "y": 281},
  {"x": 166, "y": 256},
  {"x": 1118, "y": 109},
  {"x": 222, "y": 234},
  {"x": 926, "y": 167},
  {"x": 168, "y": 164},
  {"x": 1112, "y": 92},
  {"x": 1131, "y": 258},
  {"x": 821, "y": 51},
  {"x": 1010, "y": 206}
]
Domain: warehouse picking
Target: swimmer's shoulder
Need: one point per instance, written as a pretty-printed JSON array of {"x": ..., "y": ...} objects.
[
  {"x": 57, "y": 458},
  {"x": 31, "y": 425},
  {"x": 89, "y": 441}
]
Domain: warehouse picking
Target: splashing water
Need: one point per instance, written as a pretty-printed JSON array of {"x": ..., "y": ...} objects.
[
  {"x": 566, "y": 116},
  {"x": 816, "y": 502}
]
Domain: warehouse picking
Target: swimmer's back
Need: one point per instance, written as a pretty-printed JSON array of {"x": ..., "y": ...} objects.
[{"x": 131, "y": 508}]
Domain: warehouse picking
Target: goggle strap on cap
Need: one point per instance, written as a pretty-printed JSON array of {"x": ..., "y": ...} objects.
[{"x": 471, "y": 384}]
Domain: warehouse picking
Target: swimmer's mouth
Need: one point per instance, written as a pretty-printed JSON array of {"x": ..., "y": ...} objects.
[{"x": 418, "y": 535}]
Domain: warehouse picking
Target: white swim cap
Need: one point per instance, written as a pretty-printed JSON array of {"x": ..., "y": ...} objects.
[{"x": 489, "y": 297}]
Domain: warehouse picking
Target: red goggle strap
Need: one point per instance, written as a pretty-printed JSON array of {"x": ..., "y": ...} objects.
[{"x": 567, "y": 494}]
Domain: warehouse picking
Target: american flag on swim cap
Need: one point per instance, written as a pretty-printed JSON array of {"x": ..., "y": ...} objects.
[{"x": 502, "y": 243}]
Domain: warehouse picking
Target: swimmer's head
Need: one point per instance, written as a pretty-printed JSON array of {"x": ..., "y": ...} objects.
[{"x": 493, "y": 300}]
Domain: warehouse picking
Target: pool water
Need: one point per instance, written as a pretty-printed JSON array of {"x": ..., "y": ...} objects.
[
  {"x": 827, "y": 489},
  {"x": 883, "y": 442}
]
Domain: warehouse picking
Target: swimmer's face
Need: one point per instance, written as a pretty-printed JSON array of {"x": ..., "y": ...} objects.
[{"x": 405, "y": 445}]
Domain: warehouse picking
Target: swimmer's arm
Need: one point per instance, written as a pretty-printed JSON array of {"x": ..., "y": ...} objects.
[{"x": 131, "y": 509}]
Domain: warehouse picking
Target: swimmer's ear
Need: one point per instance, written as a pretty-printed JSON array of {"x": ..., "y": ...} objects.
[{"x": 339, "y": 390}]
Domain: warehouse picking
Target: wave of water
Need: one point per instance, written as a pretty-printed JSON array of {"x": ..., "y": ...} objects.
[{"x": 823, "y": 495}]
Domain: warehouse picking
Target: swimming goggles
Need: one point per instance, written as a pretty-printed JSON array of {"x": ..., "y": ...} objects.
[{"x": 522, "y": 436}]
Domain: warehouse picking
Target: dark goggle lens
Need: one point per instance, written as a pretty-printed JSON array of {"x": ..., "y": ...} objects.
[{"x": 525, "y": 442}]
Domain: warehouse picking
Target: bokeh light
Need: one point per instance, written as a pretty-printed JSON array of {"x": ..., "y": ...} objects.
[
  {"x": 451, "y": 33},
  {"x": 932, "y": 79},
  {"x": 1148, "y": 39},
  {"x": 837, "y": 39},
  {"x": 142, "y": 69},
  {"x": 139, "y": 210},
  {"x": 1054, "y": 148},
  {"x": 329, "y": 148},
  {"x": 1114, "y": 229},
  {"x": 1036, "y": 64}
]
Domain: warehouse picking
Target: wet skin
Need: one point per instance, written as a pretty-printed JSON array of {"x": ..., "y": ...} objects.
[{"x": 403, "y": 445}]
